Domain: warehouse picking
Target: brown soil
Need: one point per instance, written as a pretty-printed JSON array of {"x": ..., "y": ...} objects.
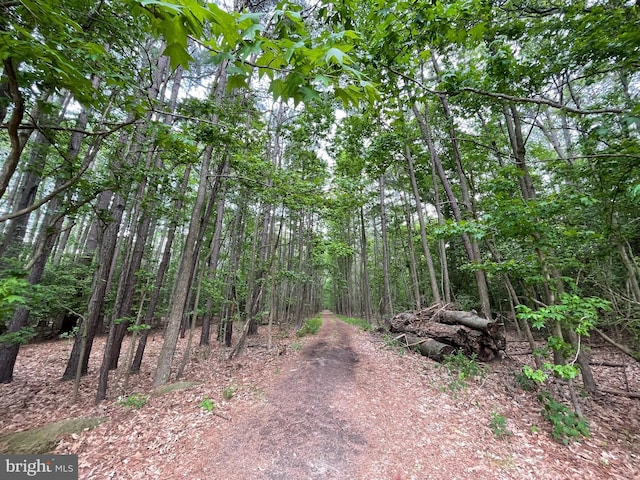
[
  {"x": 345, "y": 406},
  {"x": 299, "y": 432}
]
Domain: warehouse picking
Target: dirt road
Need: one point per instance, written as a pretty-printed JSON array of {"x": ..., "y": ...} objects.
[
  {"x": 350, "y": 405},
  {"x": 301, "y": 433}
]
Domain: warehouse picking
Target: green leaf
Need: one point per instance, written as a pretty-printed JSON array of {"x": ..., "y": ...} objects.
[
  {"x": 157, "y": 3},
  {"x": 237, "y": 82},
  {"x": 250, "y": 32},
  {"x": 224, "y": 24},
  {"x": 335, "y": 55},
  {"x": 178, "y": 55},
  {"x": 197, "y": 10},
  {"x": 251, "y": 17}
]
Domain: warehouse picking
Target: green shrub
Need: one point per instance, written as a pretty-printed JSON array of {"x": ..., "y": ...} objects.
[
  {"x": 567, "y": 424},
  {"x": 20, "y": 337},
  {"x": 358, "y": 322},
  {"x": 229, "y": 392},
  {"x": 136, "y": 400},
  {"x": 461, "y": 368},
  {"x": 498, "y": 425},
  {"x": 207, "y": 404},
  {"x": 310, "y": 327},
  {"x": 13, "y": 291},
  {"x": 524, "y": 382}
]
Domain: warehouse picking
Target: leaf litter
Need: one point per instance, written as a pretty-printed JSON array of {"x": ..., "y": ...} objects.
[{"x": 345, "y": 406}]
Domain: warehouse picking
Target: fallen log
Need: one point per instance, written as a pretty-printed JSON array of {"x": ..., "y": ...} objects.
[
  {"x": 464, "y": 331},
  {"x": 427, "y": 347},
  {"x": 468, "y": 319},
  {"x": 622, "y": 393}
]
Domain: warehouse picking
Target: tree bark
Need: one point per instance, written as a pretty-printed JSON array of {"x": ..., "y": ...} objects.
[
  {"x": 183, "y": 281},
  {"x": 216, "y": 243},
  {"x": 17, "y": 138},
  {"x": 466, "y": 332},
  {"x": 471, "y": 247},
  {"x": 366, "y": 287},
  {"x": 435, "y": 291},
  {"x": 387, "y": 304},
  {"x": 413, "y": 270},
  {"x": 428, "y": 347},
  {"x": 112, "y": 207}
]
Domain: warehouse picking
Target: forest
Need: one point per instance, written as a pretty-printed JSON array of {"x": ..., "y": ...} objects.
[{"x": 167, "y": 164}]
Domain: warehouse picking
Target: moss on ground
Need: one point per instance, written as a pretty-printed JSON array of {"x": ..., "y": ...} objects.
[
  {"x": 172, "y": 387},
  {"x": 44, "y": 439}
]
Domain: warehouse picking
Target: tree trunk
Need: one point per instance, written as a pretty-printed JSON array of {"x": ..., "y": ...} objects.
[
  {"x": 189, "y": 255},
  {"x": 366, "y": 287},
  {"x": 20, "y": 319},
  {"x": 214, "y": 254},
  {"x": 413, "y": 271},
  {"x": 480, "y": 337},
  {"x": 442, "y": 247},
  {"x": 160, "y": 275},
  {"x": 17, "y": 137},
  {"x": 183, "y": 280},
  {"x": 471, "y": 247},
  {"x": 387, "y": 304},
  {"x": 435, "y": 291},
  {"x": 428, "y": 347},
  {"x": 49, "y": 231},
  {"x": 107, "y": 240}
]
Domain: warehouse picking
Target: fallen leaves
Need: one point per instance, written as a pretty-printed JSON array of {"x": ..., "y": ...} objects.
[{"x": 415, "y": 426}]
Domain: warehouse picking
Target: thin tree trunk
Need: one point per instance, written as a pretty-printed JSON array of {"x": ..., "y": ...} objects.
[
  {"x": 413, "y": 272},
  {"x": 189, "y": 256},
  {"x": 160, "y": 275},
  {"x": 442, "y": 247},
  {"x": 216, "y": 243},
  {"x": 17, "y": 137},
  {"x": 470, "y": 246},
  {"x": 183, "y": 280},
  {"x": 51, "y": 226},
  {"x": 387, "y": 305},
  {"x": 435, "y": 290},
  {"x": 632, "y": 269},
  {"x": 20, "y": 319},
  {"x": 107, "y": 241},
  {"x": 366, "y": 287},
  {"x": 194, "y": 318}
]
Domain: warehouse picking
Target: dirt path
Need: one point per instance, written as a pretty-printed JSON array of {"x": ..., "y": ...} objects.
[
  {"x": 349, "y": 406},
  {"x": 300, "y": 433}
]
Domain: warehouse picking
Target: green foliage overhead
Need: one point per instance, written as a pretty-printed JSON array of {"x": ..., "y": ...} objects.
[{"x": 299, "y": 63}]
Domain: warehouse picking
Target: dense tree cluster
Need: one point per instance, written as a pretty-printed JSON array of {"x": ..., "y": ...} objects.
[{"x": 167, "y": 163}]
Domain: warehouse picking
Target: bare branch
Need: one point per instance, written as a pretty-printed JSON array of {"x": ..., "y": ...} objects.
[{"x": 510, "y": 98}]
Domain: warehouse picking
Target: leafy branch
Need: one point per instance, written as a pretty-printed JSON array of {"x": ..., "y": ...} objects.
[{"x": 504, "y": 96}]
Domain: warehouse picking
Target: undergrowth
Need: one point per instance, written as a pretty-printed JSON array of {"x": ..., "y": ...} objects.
[
  {"x": 393, "y": 343},
  {"x": 460, "y": 369},
  {"x": 498, "y": 425},
  {"x": 567, "y": 424},
  {"x": 358, "y": 322},
  {"x": 207, "y": 404},
  {"x": 310, "y": 326},
  {"x": 136, "y": 400}
]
